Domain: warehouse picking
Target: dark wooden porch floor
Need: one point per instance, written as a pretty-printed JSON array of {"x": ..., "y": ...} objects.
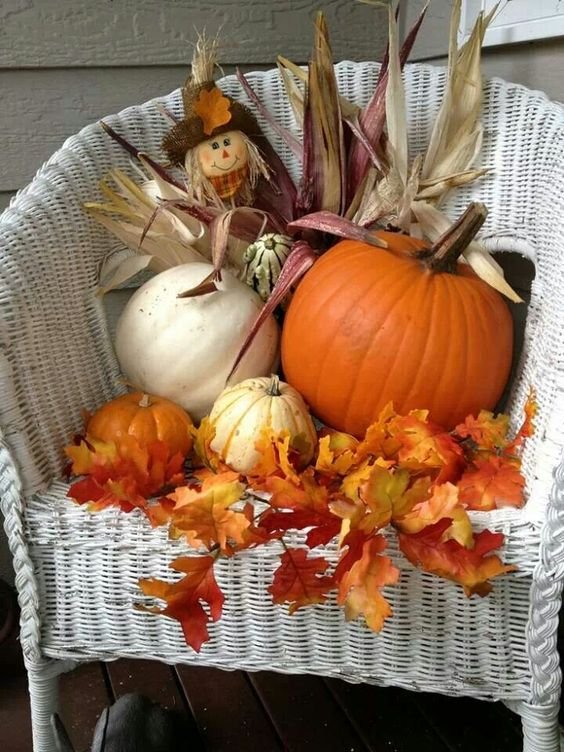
[{"x": 266, "y": 711}]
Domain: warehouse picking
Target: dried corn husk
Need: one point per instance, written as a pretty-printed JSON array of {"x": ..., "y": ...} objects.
[
  {"x": 145, "y": 218},
  {"x": 324, "y": 150},
  {"x": 290, "y": 72},
  {"x": 456, "y": 138},
  {"x": 390, "y": 197}
]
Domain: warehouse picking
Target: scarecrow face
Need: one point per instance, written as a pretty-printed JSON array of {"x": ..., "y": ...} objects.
[{"x": 222, "y": 154}]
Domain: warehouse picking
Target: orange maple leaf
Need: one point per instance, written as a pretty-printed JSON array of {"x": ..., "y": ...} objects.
[
  {"x": 308, "y": 494},
  {"x": 213, "y": 108},
  {"x": 426, "y": 448},
  {"x": 204, "y": 516},
  {"x": 359, "y": 586},
  {"x": 300, "y": 581},
  {"x": 254, "y": 534},
  {"x": 470, "y": 567},
  {"x": 493, "y": 483},
  {"x": 305, "y": 506},
  {"x": 444, "y": 502},
  {"x": 184, "y": 598}
]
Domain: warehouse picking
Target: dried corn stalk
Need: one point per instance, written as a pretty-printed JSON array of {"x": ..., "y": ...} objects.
[
  {"x": 456, "y": 138},
  {"x": 406, "y": 197}
]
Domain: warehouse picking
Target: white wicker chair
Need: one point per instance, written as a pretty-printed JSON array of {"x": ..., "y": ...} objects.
[{"x": 77, "y": 572}]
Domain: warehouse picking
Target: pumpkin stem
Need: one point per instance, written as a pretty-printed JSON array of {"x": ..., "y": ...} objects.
[
  {"x": 145, "y": 401},
  {"x": 444, "y": 254},
  {"x": 273, "y": 389}
]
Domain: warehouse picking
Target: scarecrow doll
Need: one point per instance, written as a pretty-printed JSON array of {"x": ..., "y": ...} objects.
[{"x": 214, "y": 142}]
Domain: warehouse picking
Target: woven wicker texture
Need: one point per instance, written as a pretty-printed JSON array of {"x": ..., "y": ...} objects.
[{"x": 56, "y": 358}]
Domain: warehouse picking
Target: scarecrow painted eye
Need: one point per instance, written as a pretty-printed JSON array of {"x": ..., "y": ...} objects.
[
  {"x": 215, "y": 145},
  {"x": 227, "y": 142}
]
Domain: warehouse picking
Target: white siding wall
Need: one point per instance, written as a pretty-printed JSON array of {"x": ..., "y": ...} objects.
[{"x": 66, "y": 63}]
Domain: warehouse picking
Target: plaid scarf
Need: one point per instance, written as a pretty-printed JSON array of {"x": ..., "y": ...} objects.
[{"x": 227, "y": 185}]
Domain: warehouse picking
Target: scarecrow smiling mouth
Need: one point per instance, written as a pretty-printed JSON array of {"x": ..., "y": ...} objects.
[{"x": 226, "y": 169}]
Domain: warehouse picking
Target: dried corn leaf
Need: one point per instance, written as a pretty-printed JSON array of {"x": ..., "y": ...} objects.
[
  {"x": 289, "y": 139},
  {"x": 294, "y": 93},
  {"x": 286, "y": 67},
  {"x": 457, "y": 134},
  {"x": 373, "y": 117},
  {"x": 436, "y": 187},
  {"x": 434, "y": 223},
  {"x": 324, "y": 151},
  {"x": 113, "y": 275},
  {"x": 395, "y": 104}
]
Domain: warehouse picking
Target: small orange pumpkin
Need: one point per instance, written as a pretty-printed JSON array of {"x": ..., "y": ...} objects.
[
  {"x": 367, "y": 326},
  {"x": 146, "y": 417}
]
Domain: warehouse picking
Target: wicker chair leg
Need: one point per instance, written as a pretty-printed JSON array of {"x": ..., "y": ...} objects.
[
  {"x": 541, "y": 731},
  {"x": 43, "y": 681}
]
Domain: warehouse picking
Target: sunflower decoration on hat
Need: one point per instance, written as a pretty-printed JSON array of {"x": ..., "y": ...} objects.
[{"x": 215, "y": 142}]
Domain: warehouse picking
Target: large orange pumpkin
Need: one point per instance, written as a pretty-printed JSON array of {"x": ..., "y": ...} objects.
[
  {"x": 146, "y": 417},
  {"x": 367, "y": 326}
]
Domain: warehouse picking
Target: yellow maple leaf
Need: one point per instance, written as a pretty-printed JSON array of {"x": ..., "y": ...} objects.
[
  {"x": 336, "y": 454},
  {"x": 88, "y": 453}
]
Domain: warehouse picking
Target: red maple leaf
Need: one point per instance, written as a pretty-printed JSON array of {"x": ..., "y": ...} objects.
[
  {"x": 186, "y": 597},
  {"x": 471, "y": 567},
  {"x": 300, "y": 581},
  {"x": 324, "y": 526}
]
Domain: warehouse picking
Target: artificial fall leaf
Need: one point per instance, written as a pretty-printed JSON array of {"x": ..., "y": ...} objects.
[
  {"x": 205, "y": 481},
  {"x": 373, "y": 493},
  {"x": 301, "y": 581},
  {"x": 213, "y": 108},
  {"x": 426, "y": 448},
  {"x": 527, "y": 428},
  {"x": 336, "y": 452},
  {"x": 204, "y": 516},
  {"x": 324, "y": 526},
  {"x": 444, "y": 502},
  {"x": 377, "y": 441},
  {"x": 184, "y": 598},
  {"x": 493, "y": 483},
  {"x": 304, "y": 506},
  {"x": 359, "y": 586},
  {"x": 471, "y": 567},
  {"x": 123, "y": 473},
  {"x": 160, "y": 512},
  {"x": 487, "y": 431},
  {"x": 307, "y": 495},
  {"x": 203, "y": 437},
  {"x": 255, "y": 534},
  {"x": 278, "y": 455}
]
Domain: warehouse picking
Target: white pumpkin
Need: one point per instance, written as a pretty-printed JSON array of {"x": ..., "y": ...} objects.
[
  {"x": 184, "y": 348},
  {"x": 241, "y": 412}
]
